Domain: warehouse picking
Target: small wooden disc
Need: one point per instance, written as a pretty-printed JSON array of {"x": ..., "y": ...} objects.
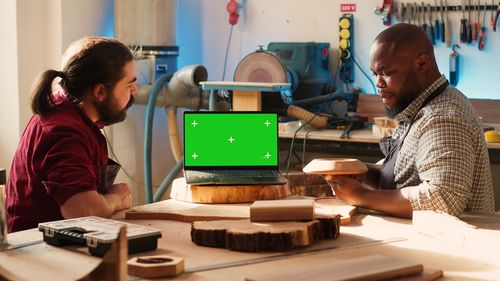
[{"x": 335, "y": 166}]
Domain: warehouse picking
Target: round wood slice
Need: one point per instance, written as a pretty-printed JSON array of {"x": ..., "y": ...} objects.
[
  {"x": 335, "y": 166},
  {"x": 247, "y": 236},
  {"x": 226, "y": 193}
]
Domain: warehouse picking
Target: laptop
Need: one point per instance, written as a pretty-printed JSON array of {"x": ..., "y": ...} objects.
[{"x": 227, "y": 148}]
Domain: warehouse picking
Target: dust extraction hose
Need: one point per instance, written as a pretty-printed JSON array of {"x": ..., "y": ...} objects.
[
  {"x": 148, "y": 135},
  {"x": 173, "y": 133},
  {"x": 315, "y": 120}
]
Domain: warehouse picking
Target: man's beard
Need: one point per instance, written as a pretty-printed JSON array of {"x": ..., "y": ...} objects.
[
  {"x": 392, "y": 112},
  {"x": 110, "y": 115},
  {"x": 407, "y": 94}
]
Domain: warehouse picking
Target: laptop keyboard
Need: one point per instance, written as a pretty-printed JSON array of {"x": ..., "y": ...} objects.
[{"x": 232, "y": 173}]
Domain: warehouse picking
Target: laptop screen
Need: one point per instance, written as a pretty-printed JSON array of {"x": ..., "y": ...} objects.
[{"x": 230, "y": 139}]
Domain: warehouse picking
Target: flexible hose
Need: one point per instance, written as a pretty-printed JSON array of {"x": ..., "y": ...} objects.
[
  {"x": 315, "y": 120},
  {"x": 173, "y": 132},
  {"x": 148, "y": 135},
  {"x": 168, "y": 179}
]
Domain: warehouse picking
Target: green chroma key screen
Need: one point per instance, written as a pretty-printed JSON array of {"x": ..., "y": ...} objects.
[{"x": 230, "y": 139}]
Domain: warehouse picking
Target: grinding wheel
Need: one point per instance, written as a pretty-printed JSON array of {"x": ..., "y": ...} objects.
[{"x": 261, "y": 66}]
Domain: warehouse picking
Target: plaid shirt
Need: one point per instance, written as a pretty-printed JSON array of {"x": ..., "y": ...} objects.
[{"x": 443, "y": 163}]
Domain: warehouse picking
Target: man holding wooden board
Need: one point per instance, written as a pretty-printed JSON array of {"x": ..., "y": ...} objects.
[{"x": 437, "y": 157}]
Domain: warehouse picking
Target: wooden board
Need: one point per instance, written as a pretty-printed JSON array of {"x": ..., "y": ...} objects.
[
  {"x": 325, "y": 207},
  {"x": 190, "y": 212},
  {"x": 282, "y": 210},
  {"x": 427, "y": 275},
  {"x": 247, "y": 236},
  {"x": 335, "y": 166},
  {"x": 210, "y": 194},
  {"x": 375, "y": 267}
]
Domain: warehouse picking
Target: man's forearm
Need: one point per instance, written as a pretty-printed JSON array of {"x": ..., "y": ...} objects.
[
  {"x": 89, "y": 203},
  {"x": 388, "y": 201}
]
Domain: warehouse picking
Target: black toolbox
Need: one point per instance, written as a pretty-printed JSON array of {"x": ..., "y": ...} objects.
[{"x": 98, "y": 234}]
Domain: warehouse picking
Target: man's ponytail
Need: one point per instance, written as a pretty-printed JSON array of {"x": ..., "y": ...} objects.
[{"x": 41, "y": 91}]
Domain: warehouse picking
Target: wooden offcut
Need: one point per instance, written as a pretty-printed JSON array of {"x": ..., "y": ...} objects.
[
  {"x": 156, "y": 266},
  {"x": 335, "y": 166},
  {"x": 221, "y": 194},
  {"x": 373, "y": 267},
  {"x": 282, "y": 210},
  {"x": 247, "y": 236},
  {"x": 247, "y": 100},
  {"x": 327, "y": 207}
]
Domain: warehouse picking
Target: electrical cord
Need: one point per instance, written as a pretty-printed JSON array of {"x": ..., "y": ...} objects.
[
  {"x": 366, "y": 75},
  {"x": 304, "y": 157},
  {"x": 289, "y": 158},
  {"x": 227, "y": 52},
  {"x": 117, "y": 161}
]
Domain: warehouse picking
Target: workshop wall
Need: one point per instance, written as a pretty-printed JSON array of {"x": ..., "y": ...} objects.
[
  {"x": 35, "y": 33},
  {"x": 9, "y": 101},
  {"x": 203, "y": 33}
]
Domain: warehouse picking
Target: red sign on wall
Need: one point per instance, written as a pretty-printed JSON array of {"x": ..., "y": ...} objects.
[{"x": 347, "y": 8}]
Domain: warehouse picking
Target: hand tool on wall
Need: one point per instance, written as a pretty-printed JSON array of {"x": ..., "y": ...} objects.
[
  {"x": 463, "y": 25},
  {"x": 496, "y": 18},
  {"x": 437, "y": 25},
  {"x": 399, "y": 11},
  {"x": 405, "y": 16},
  {"x": 425, "y": 26},
  {"x": 482, "y": 33},
  {"x": 385, "y": 12},
  {"x": 476, "y": 25},
  {"x": 446, "y": 26},
  {"x": 454, "y": 66},
  {"x": 404, "y": 12},
  {"x": 409, "y": 13},
  {"x": 432, "y": 32},
  {"x": 492, "y": 18},
  {"x": 469, "y": 27},
  {"x": 416, "y": 15}
]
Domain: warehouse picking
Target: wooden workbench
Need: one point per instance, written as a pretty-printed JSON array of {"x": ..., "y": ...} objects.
[
  {"x": 364, "y": 135},
  {"x": 462, "y": 259}
]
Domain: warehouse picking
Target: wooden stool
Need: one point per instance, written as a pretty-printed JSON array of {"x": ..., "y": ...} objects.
[{"x": 226, "y": 193}]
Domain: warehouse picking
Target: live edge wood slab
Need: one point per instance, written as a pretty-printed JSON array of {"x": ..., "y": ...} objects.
[
  {"x": 247, "y": 236},
  {"x": 223, "y": 194},
  {"x": 189, "y": 212}
]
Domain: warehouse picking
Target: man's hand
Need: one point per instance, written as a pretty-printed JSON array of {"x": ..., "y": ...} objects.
[
  {"x": 91, "y": 203},
  {"x": 347, "y": 188},
  {"x": 351, "y": 189},
  {"x": 121, "y": 195}
]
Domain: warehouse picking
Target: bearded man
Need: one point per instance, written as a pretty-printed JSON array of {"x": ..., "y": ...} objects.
[{"x": 59, "y": 168}]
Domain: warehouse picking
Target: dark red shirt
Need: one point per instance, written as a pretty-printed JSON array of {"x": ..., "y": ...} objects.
[{"x": 59, "y": 155}]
